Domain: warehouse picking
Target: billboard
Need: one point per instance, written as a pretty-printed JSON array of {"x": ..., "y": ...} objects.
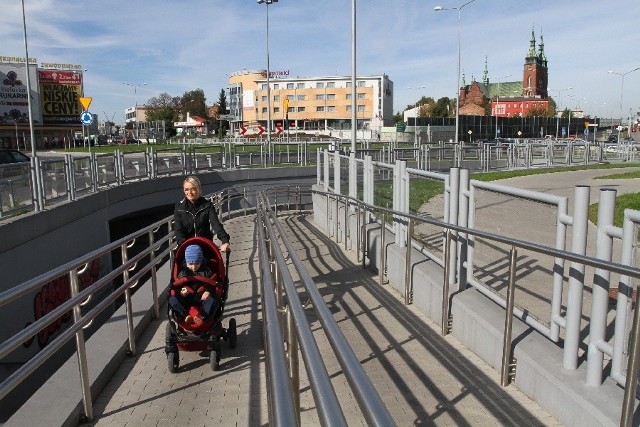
[
  {"x": 60, "y": 91},
  {"x": 14, "y": 101}
]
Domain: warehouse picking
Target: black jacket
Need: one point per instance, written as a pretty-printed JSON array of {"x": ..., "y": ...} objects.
[{"x": 197, "y": 219}]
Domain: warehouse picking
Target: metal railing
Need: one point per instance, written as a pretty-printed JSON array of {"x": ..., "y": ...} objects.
[
  {"x": 286, "y": 311},
  {"x": 356, "y": 211}
]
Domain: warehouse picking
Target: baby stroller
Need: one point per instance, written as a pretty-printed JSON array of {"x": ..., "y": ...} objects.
[{"x": 203, "y": 336}]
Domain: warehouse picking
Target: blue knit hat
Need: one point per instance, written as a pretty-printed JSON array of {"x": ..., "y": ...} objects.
[{"x": 193, "y": 254}]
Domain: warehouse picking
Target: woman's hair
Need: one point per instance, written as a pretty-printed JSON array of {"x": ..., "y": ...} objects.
[{"x": 193, "y": 180}]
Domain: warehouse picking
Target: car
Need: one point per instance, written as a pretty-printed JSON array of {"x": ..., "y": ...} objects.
[
  {"x": 612, "y": 138},
  {"x": 13, "y": 163},
  {"x": 130, "y": 140},
  {"x": 8, "y": 156}
]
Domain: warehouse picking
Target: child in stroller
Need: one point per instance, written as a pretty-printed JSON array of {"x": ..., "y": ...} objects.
[{"x": 197, "y": 296}]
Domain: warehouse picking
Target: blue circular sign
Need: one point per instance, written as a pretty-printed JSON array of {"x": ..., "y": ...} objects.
[{"x": 86, "y": 118}]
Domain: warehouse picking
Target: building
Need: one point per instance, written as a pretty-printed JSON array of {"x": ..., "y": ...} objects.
[
  {"x": 315, "y": 104},
  {"x": 55, "y": 92},
  {"x": 514, "y": 98}
]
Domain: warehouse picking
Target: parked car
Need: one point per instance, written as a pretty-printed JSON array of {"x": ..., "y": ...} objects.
[
  {"x": 12, "y": 156},
  {"x": 13, "y": 163},
  {"x": 612, "y": 138}
]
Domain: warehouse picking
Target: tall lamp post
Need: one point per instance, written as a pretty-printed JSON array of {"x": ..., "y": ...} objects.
[
  {"x": 558, "y": 114},
  {"x": 268, "y": 2},
  {"x": 459, "y": 8},
  {"x": 621, "y": 93},
  {"x": 417, "y": 107},
  {"x": 135, "y": 96},
  {"x": 498, "y": 100}
]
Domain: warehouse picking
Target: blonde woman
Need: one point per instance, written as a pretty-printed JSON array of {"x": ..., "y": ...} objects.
[{"x": 196, "y": 216}]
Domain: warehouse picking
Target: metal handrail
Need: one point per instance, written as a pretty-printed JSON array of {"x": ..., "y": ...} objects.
[
  {"x": 633, "y": 365},
  {"x": 370, "y": 403}
]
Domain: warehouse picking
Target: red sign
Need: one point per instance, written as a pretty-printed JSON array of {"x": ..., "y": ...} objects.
[
  {"x": 260, "y": 130},
  {"x": 278, "y": 129},
  {"x": 243, "y": 130}
]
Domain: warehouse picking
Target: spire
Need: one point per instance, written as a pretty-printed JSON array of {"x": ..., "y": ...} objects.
[
  {"x": 541, "y": 53},
  {"x": 463, "y": 80},
  {"x": 532, "y": 44},
  {"x": 485, "y": 77}
]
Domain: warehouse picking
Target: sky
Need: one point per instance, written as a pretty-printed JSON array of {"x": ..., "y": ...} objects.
[{"x": 178, "y": 46}]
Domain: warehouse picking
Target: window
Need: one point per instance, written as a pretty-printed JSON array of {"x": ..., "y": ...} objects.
[
  {"x": 263, "y": 86},
  {"x": 319, "y": 85},
  {"x": 276, "y": 109},
  {"x": 348, "y": 107},
  {"x": 360, "y": 83},
  {"x": 319, "y": 109},
  {"x": 264, "y": 110},
  {"x": 289, "y": 85},
  {"x": 331, "y": 96},
  {"x": 348, "y": 96},
  {"x": 264, "y": 98},
  {"x": 291, "y": 109},
  {"x": 348, "y": 84},
  {"x": 331, "y": 84},
  {"x": 331, "y": 108},
  {"x": 276, "y": 98},
  {"x": 319, "y": 97},
  {"x": 302, "y": 97},
  {"x": 300, "y": 86},
  {"x": 276, "y": 85},
  {"x": 360, "y": 96},
  {"x": 290, "y": 97},
  {"x": 360, "y": 108},
  {"x": 301, "y": 109}
]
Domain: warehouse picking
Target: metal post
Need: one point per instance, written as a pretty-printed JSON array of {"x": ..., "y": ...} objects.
[
  {"x": 408, "y": 283},
  {"x": 382, "y": 267},
  {"x": 294, "y": 364},
  {"x": 445, "y": 319},
  {"x": 508, "y": 321},
  {"x": 154, "y": 278},
  {"x": 128, "y": 305}
]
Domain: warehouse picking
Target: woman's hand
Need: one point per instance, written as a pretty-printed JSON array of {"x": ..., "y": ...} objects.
[
  {"x": 205, "y": 295},
  {"x": 224, "y": 247}
]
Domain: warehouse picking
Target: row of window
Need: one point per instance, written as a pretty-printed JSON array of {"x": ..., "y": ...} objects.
[
  {"x": 319, "y": 85},
  {"x": 320, "y": 97},
  {"x": 319, "y": 109}
]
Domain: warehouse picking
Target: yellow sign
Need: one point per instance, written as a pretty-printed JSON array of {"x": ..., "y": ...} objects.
[
  {"x": 586, "y": 123},
  {"x": 85, "y": 103},
  {"x": 285, "y": 102}
]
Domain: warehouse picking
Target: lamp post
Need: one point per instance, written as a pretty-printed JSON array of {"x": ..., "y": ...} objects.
[
  {"x": 267, "y": 3},
  {"x": 417, "y": 107},
  {"x": 621, "y": 93},
  {"x": 560, "y": 103},
  {"x": 498, "y": 100},
  {"x": 459, "y": 8},
  {"x": 135, "y": 96}
]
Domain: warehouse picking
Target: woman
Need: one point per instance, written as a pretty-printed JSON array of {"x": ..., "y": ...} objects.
[{"x": 196, "y": 216}]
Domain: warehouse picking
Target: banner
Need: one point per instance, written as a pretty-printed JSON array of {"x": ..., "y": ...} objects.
[
  {"x": 14, "y": 101},
  {"x": 60, "y": 91}
]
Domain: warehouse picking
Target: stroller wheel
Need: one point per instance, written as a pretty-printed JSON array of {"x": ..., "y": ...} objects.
[
  {"x": 232, "y": 334},
  {"x": 174, "y": 362},
  {"x": 214, "y": 359}
]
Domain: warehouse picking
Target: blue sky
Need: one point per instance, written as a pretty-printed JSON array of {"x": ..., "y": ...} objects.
[{"x": 177, "y": 46}]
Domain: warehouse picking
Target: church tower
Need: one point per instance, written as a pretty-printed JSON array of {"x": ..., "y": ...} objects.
[{"x": 535, "y": 78}]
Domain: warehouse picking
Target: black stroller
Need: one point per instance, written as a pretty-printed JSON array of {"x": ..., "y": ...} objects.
[{"x": 205, "y": 335}]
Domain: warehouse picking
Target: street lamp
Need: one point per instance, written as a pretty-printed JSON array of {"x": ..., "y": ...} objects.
[
  {"x": 498, "y": 100},
  {"x": 559, "y": 104},
  {"x": 135, "y": 95},
  {"x": 621, "y": 93},
  {"x": 415, "y": 125},
  {"x": 459, "y": 8},
  {"x": 268, "y": 2}
]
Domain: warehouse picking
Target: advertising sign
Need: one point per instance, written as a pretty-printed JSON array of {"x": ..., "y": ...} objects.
[
  {"x": 60, "y": 93},
  {"x": 14, "y": 101}
]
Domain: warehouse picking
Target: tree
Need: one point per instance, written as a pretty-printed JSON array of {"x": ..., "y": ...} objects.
[
  {"x": 443, "y": 108},
  {"x": 194, "y": 103},
  {"x": 221, "y": 126},
  {"x": 165, "y": 108}
]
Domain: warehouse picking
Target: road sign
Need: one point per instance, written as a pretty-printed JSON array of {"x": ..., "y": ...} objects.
[
  {"x": 85, "y": 102},
  {"x": 278, "y": 129},
  {"x": 400, "y": 127},
  {"x": 260, "y": 130},
  {"x": 86, "y": 118},
  {"x": 243, "y": 130}
]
